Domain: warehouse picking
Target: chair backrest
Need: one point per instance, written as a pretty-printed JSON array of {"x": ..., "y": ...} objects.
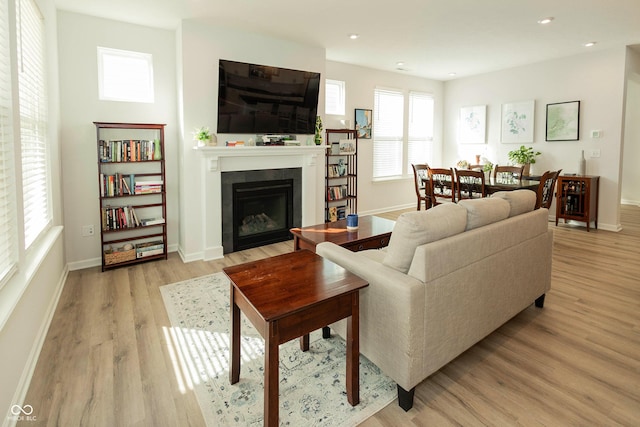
[
  {"x": 469, "y": 184},
  {"x": 442, "y": 184},
  {"x": 508, "y": 171},
  {"x": 546, "y": 188},
  {"x": 420, "y": 178}
]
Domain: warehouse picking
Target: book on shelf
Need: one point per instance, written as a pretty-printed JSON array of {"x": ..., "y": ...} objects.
[
  {"x": 152, "y": 221},
  {"x": 118, "y": 217},
  {"x": 127, "y": 150},
  {"x": 149, "y": 249},
  {"x": 151, "y": 252}
]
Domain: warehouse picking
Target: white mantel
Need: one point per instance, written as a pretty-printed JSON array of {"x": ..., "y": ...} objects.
[{"x": 216, "y": 160}]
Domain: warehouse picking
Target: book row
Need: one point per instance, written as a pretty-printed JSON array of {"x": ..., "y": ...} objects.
[
  {"x": 129, "y": 150},
  {"x": 336, "y": 213},
  {"x": 122, "y": 217},
  {"x": 337, "y": 192},
  {"x": 337, "y": 170},
  {"x": 121, "y": 185}
]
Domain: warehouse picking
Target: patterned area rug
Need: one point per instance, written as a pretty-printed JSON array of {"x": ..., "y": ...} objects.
[{"x": 312, "y": 383}]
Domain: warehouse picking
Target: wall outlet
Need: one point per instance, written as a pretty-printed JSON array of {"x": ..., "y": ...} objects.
[
  {"x": 595, "y": 153},
  {"x": 88, "y": 230}
]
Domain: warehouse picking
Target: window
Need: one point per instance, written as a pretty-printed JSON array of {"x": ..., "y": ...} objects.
[
  {"x": 334, "y": 97},
  {"x": 8, "y": 244},
  {"x": 388, "y": 133},
  {"x": 420, "y": 144},
  {"x": 32, "y": 95},
  {"x": 392, "y": 154},
  {"x": 125, "y": 76}
]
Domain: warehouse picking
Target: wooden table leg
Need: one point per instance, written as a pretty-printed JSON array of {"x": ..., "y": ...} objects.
[
  {"x": 271, "y": 376},
  {"x": 234, "y": 372},
  {"x": 304, "y": 342},
  {"x": 353, "y": 353}
]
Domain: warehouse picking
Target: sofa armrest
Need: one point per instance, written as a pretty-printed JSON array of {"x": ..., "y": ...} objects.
[{"x": 392, "y": 319}]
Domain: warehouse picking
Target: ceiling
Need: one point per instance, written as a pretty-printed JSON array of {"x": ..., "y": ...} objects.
[{"x": 432, "y": 38}]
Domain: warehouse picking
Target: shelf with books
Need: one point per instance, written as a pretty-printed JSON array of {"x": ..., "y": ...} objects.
[
  {"x": 131, "y": 181},
  {"x": 341, "y": 173}
]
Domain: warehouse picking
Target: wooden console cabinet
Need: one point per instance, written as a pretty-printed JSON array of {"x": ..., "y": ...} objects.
[{"x": 577, "y": 199}]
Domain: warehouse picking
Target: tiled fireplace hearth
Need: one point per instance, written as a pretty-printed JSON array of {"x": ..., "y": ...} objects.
[{"x": 216, "y": 160}]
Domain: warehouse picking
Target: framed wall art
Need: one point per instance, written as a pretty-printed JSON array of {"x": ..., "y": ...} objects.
[
  {"x": 517, "y": 122},
  {"x": 364, "y": 123},
  {"x": 472, "y": 125},
  {"x": 563, "y": 121}
]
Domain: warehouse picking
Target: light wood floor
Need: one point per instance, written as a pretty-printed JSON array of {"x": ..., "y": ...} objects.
[{"x": 574, "y": 362}]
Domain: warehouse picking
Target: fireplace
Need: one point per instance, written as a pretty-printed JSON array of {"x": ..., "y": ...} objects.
[
  {"x": 259, "y": 207},
  {"x": 262, "y": 213}
]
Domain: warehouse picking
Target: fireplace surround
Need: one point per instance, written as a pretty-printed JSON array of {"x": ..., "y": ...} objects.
[
  {"x": 217, "y": 160},
  {"x": 260, "y": 206}
]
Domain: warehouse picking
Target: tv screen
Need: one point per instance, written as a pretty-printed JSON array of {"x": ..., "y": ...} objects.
[{"x": 258, "y": 99}]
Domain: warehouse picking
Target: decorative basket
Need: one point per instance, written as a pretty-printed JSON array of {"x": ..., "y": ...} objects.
[{"x": 116, "y": 257}]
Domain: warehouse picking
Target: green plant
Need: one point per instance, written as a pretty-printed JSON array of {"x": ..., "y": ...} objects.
[
  {"x": 202, "y": 134},
  {"x": 318, "y": 136},
  {"x": 523, "y": 155},
  {"x": 487, "y": 167}
]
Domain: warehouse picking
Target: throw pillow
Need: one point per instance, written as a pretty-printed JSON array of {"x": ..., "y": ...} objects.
[
  {"x": 485, "y": 211},
  {"x": 413, "y": 229},
  {"x": 520, "y": 201}
]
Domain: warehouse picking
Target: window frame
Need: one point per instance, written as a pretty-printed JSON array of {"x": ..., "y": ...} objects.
[
  {"x": 110, "y": 86},
  {"x": 342, "y": 96}
]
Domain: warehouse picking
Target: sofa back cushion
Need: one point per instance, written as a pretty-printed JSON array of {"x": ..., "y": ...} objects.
[
  {"x": 521, "y": 201},
  {"x": 481, "y": 212},
  {"x": 413, "y": 229}
]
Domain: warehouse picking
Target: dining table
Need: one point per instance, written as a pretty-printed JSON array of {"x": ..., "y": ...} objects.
[{"x": 493, "y": 185}]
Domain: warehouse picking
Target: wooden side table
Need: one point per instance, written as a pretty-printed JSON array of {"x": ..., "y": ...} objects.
[{"x": 287, "y": 297}]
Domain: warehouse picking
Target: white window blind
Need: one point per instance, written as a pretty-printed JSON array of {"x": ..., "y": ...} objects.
[
  {"x": 420, "y": 146},
  {"x": 334, "y": 97},
  {"x": 8, "y": 234},
  {"x": 388, "y": 126},
  {"x": 33, "y": 120}
]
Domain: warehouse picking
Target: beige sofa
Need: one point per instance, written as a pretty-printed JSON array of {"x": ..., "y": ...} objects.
[{"x": 450, "y": 276}]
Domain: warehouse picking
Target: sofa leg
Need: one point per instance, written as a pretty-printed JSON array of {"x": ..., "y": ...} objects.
[
  {"x": 540, "y": 301},
  {"x": 326, "y": 332},
  {"x": 405, "y": 398}
]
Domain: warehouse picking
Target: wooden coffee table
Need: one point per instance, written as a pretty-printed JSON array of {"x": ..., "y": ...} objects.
[
  {"x": 287, "y": 297},
  {"x": 373, "y": 233}
]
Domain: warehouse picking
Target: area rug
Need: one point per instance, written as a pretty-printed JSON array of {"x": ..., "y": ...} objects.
[{"x": 312, "y": 383}]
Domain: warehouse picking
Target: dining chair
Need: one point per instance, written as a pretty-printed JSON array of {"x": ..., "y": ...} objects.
[
  {"x": 442, "y": 185},
  {"x": 469, "y": 184},
  {"x": 508, "y": 172},
  {"x": 546, "y": 188},
  {"x": 420, "y": 178}
]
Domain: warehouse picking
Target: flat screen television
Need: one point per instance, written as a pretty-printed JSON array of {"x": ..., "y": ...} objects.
[{"x": 259, "y": 99}]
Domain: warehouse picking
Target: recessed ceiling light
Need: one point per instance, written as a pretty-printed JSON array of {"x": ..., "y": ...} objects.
[
  {"x": 545, "y": 21},
  {"x": 589, "y": 44},
  {"x": 399, "y": 63},
  {"x": 452, "y": 74},
  {"x": 354, "y": 36}
]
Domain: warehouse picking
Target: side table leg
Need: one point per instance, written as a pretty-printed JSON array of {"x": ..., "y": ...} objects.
[
  {"x": 304, "y": 342},
  {"x": 271, "y": 376},
  {"x": 353, "y": 352},
  {"x": 234, "y": 372}
]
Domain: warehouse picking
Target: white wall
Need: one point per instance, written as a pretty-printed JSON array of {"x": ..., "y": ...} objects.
[
  {"x": 377, "y": 196},
  {"x": 78, "y": 39},
  {"x": 200, "y": 48},
  {"x": 631, "y": 151},
  {"x": 596, "y": 79}
]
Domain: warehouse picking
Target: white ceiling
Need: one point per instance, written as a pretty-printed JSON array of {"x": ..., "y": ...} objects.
[{"x": 432, "y": 37}]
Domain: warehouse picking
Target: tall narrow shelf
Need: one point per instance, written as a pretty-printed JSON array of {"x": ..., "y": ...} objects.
[
  {"x": 577, "y": 199},
  {"x": 131, "y": 188},
  {"x": 341, "y": 174}
]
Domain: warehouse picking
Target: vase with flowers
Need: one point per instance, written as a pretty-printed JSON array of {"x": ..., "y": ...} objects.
[{"x": 202, "y": 136}]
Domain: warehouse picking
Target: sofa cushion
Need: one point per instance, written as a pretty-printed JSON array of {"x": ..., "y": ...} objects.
[
  {"x": 485, "y": 211},
  {"x": 521, "y": 201},
  {"x": 413, "y": 229}
]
